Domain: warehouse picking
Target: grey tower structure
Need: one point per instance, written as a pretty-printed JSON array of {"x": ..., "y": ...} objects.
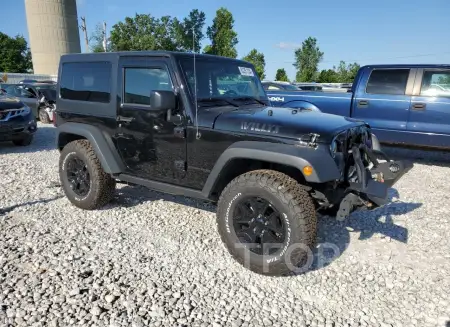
[{"x": 53, "y": 31}]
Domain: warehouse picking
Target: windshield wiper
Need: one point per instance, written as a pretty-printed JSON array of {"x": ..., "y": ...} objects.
[
  {"x": 248, "y": 98},
  {"x": 217, "y": 101}
]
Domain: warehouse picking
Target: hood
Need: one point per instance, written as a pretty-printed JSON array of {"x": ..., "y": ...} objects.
[
  {"x": 8, "y": 102},
  {"x": 281, "y": 122}
]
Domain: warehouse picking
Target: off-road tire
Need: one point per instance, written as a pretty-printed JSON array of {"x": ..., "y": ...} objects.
[
  {"x": 25, "y": 141},
  {"x": 102, "y": 185},
  {"x": 43, "y": 116},
  {"x": 289, "y": 198}
]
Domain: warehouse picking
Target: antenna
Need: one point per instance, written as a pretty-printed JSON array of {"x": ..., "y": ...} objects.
[{"x": 197, "y": 134}]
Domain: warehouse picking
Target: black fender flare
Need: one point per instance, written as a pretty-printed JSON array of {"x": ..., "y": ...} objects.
[
  {"x": 102, "y": 144},
  {"x": 324, "y": 166}
]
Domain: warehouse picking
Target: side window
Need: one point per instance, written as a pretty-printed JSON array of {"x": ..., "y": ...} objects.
[
  {"x": 86, "y": 81},
  {"x": 140, "y": 81},
  {"x": 388, "y": 81},
  {"x": 435, "y": 83}
]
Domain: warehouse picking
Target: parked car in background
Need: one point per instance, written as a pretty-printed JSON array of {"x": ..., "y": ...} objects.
[
  {"x": 404, "y": 104},
  {"x": 40, "y": 97},
  {"x": 286, "y": 86},
  {"x": 25, "y": 81},
  {"x": 277, "y": 85},
  {"x": 309, "y": 86},
  {"x": 17, "y": 122}
]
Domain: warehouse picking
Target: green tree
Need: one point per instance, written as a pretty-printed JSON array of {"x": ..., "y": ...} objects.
[
  {"x": 328, "y": 76},
  {"x": 222, "y": 36},
  {"x": 145, "y": 32},
  {"x": 346, "y": 73},
  {"x": 257, "y": 59},
  {"x": 281, "y": 75},
  {"x": 97, "y": 38},
  {"x": 190, "y": 31},
  {"x": 307, "y": 59},
  {"x": 15, "y": 56}
]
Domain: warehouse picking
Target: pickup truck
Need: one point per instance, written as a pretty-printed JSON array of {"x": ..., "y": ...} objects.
[{"x": 403, "y": 104}]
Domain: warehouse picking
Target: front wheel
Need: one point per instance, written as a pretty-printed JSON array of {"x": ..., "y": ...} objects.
[
  {"x": 83, "y": 179},
  {"x": 25, "y": 141},
  {"x": 267, "y": 222},
  {"x": 43, "y": 116}
]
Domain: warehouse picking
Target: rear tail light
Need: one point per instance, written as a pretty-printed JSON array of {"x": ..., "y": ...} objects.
[{"x": 54, "y": 118}]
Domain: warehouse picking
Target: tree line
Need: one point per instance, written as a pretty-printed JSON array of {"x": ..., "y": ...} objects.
[{"x": 146, "y": 32}]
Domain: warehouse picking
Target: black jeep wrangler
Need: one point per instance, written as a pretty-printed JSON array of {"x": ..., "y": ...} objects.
[{"x": 202, "y": 126}]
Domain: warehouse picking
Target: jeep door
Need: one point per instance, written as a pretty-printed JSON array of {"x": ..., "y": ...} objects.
[{"x": 149, "y": 144}]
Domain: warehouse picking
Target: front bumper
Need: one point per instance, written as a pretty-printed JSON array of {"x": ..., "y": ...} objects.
[
  {"x": 17, "y": 129},
  {"x": 372, "y": 187}
]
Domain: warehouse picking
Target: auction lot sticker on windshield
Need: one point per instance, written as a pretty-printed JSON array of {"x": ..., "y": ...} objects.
[{"x": 246, "y": 71}]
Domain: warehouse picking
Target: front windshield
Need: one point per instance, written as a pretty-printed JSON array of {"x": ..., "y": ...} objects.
[{"x": 218, "y": 78}]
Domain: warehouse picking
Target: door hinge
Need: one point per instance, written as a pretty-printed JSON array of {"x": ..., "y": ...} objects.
[
  {"x": 181, "y": 165},
  {"x": 180, "y": 132}
]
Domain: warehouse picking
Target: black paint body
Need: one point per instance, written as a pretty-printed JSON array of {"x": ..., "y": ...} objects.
[{"x": 139, "y": 144}]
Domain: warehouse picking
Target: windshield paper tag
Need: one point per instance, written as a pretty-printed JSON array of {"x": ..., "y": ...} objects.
[{"x": 245, "y": 71}]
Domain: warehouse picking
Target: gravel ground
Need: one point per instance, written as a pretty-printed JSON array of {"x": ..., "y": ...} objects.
[{"x": 154, "y": 259}]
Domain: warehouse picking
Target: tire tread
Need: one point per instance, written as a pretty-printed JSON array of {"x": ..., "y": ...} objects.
[{"x": 290, "y": 192}]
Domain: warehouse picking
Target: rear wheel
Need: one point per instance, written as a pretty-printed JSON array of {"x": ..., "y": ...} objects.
[
  {"x": 83, "y": 179},
  {"x": 267, "y": 222}
]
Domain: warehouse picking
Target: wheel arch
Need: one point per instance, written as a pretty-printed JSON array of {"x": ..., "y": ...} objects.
[
  {"x": 245, "y": 156},
  {"x": 101, "y": 143}
]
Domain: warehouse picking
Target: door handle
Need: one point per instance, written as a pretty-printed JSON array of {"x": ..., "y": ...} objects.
[
  {"x": 419, "y": 106},
  {"x": 363, "y": 103},
  {"x": 125, "y": 119}
]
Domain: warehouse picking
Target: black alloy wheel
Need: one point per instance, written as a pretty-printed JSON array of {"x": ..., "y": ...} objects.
[
  {"x": 258, "y": 223},
  {"x": 78, "y": 176}
]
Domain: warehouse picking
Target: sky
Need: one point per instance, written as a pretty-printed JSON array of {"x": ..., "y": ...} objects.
[{"x": 375, "y": 32}]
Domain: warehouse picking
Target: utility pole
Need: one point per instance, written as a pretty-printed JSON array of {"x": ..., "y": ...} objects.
[
  {"x": 84, "y": 29},
  {"x": 105, "y": 38}
]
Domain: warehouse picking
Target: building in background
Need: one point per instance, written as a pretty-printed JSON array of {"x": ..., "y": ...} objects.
[{"x": 53, "y": 31}]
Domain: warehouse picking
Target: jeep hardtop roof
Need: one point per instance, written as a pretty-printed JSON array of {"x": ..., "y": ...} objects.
[{"x": 112, "y": 56}]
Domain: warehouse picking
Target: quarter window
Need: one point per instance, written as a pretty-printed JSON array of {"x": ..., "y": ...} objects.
[
  {"x": 86, "y": 81},
  {"x": 435, "y": 83},
  {"x": 139, "y": 82},
  {"x": 388, "y": 81}
]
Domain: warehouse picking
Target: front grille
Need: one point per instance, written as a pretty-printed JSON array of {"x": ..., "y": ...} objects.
[{"x": 6, "y": 115}]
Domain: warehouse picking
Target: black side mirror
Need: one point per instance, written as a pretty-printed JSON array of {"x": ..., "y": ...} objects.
[{"x": 162, "y": 100}]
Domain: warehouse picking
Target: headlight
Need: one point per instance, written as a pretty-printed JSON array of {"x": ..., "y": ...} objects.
[
  {"x": 24, "y": 111},
  {"x": 333, "y": 148}
]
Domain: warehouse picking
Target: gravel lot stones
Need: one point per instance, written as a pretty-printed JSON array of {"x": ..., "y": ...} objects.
[{"x": 155, "y": 259}]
